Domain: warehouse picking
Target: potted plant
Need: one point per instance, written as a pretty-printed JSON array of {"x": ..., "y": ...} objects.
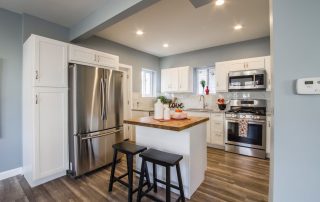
[{"x": 203, "y": 84}]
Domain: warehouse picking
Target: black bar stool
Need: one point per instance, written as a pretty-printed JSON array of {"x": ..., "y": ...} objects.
[
  {"x": 167, "y": 160},
  {"x": 129, "y": 150}
]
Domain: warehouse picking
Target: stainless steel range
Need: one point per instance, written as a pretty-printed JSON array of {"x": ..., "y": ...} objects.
[{"x": 245, "y": 128}]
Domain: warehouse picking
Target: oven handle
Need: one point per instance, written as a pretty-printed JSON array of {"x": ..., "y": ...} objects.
[{"x": 249, "y": 121}]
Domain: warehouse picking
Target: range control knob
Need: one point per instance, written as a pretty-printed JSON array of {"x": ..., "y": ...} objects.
[{"x": 256, "y": 117}]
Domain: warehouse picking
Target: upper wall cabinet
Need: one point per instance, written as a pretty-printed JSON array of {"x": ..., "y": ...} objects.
[
  {"x": 178, "y": 80},
  {"x": 49, "y": 60},
  {"x": 223, "y": 69},
  {"x": 88, "y": 56}
]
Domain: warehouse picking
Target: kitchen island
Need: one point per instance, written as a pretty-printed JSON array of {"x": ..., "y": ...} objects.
[{"x": 184, "y": 137}]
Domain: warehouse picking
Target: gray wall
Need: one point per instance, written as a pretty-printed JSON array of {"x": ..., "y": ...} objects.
[
  {"x": 14, "y": 29},
  {"x": 10, "y": 90},
  {"x": 35, "y": 25},
  {"x": 127, "y": 56},
  {"x": 295, "y": 49},
  {"x": 208, "y": 56}
]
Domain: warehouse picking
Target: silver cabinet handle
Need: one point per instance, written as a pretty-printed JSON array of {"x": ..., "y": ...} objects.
[
  {"x": 37, "y": 74},
  {"x": 36, "y": 99}
]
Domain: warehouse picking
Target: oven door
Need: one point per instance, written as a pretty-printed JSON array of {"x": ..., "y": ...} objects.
[{"x": 256, "y": 136}]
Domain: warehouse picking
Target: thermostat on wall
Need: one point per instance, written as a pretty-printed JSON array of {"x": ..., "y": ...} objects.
[{"x": 309, "y": 86}]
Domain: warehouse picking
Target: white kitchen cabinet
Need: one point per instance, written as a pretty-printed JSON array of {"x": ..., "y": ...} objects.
[
  {"x": 185, "y": 79},
  {"x": 255, "y": 63},
  {"x": 48, "y": 62},
  {"x": 221, "y": 71},
  {"x": 50, "y": 131},
  {"x": 217, "y": 129},
  {"x": 44, "y": 110},
  {"x": 203, "y": 114},
  {"x": 269, "y": 133},
  {"x": 269, "y": 73},
  {"x": 178, "y": 79},
  {"x": 169, "y": 80},
  {"x": 88, "y": 56}
]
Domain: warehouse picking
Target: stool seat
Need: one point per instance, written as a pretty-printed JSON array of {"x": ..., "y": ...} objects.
[
  {"x": 160, "y": 157},
  {"x": 128, "y": 148}
]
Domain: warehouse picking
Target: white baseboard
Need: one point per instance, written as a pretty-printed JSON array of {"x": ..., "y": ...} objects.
[{"x": 10, "y": 173}]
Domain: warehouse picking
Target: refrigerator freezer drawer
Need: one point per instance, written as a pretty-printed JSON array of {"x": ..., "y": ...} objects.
[{"x": 94, "y": 150}]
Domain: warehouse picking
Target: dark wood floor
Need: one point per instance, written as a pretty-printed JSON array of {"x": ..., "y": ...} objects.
[{"x": 230, "y": 177}]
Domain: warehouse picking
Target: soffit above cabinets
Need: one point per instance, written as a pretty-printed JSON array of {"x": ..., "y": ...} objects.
[
  {"x": 186, "y": 28},
  {"x": 62, "y": 12}
]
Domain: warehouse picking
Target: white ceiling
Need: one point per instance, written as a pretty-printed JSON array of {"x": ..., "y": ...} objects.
[
  {"x": 186, "y": 28},
  {"x": 62, "y": 12}
]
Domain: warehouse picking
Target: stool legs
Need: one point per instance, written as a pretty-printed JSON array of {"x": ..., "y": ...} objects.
[
  {"x": 130, "y": 175},
  {"x": 143, "y": 170},
  {"x": 155, "y": 189},
  {"x": 168, "y": 180},
  {"x": 114, "y": 162},
  {"x": 180, "y": 183}
]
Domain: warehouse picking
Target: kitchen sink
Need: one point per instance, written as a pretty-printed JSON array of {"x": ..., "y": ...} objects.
[{"x": 198, "y": 110}]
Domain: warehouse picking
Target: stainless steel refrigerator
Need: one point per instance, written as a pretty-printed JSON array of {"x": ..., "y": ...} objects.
[{"x": 95, "y": 116}]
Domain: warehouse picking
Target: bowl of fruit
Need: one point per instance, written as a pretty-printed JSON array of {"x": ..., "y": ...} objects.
[
  {"x": 221, "y": 104},
  {"x": 179, "y": 114}
]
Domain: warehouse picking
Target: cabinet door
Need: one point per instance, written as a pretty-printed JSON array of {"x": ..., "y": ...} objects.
[
  {"x": 255, "y": 63},
  {"x": 164, "y": 80},
  {"x": 51, "y": 131},
  {"x": 221, "y": 77},
  {"x": 269, "y": 73},
  {"x": 235, "y": 65},
  {"x": 217, "y": 128},
  {"x": 173, "y": 79},
  {"x": 51, "y": 63},
  {"x": 107, "y": 60},
  {"x": 268, "y": 135},
  {"x": 82, "y": 55},
  {"x": 185, "y": 79}
]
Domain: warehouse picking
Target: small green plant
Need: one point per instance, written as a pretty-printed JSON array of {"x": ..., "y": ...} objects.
[
  {"x": 203, "y": 84},
  {"x": 163, "y": 99}
]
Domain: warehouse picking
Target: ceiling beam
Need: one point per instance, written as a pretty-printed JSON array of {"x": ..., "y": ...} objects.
[{"x": 113, "y": 12}]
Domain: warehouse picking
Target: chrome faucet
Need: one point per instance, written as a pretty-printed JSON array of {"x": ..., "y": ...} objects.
[{"x": 203, "y": 101}]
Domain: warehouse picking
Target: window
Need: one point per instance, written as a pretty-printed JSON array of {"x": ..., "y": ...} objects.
[
  {"x": 148, "y": 83},
  {"x": 207, "y": 74}
]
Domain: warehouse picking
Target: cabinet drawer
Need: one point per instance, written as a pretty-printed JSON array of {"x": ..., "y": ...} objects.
[
  {"x": 217, "y": 127},
  {"x": 217, "y": 117}
]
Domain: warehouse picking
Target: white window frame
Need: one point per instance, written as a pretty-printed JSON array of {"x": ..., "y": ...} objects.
[
  {"x": 153, "y": 83},
  {"x": 198, "y": 87}
]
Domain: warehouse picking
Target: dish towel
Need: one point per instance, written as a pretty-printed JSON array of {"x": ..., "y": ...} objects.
[{"x": 243, "y": 128}]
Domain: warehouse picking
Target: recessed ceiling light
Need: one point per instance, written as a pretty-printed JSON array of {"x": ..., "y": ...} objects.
[
  {"x": 165, "y": 45},
  {"x": 139, "y": 32},
  {"x": 237, "y": 27},
  {"x": 219, "y": 2}
]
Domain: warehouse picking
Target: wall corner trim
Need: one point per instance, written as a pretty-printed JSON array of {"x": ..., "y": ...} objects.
[{"x": 10, "y": 173}]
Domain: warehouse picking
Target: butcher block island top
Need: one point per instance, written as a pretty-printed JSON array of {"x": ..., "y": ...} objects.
[{"x": 175, "y": 125}]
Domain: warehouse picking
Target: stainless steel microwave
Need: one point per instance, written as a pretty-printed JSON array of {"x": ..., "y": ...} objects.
[{"x": 247, "y": 80}]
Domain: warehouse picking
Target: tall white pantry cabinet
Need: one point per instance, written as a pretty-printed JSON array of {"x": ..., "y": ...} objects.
[{"x": 45, "y": 109}]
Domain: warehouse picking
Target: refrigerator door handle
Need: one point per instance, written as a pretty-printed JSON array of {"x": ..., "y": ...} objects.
[{"x": 102, "y": 95}]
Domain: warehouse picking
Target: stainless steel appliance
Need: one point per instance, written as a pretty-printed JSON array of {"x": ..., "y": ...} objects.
[
  {"x": 95, "y": 116},
  {"x": 247, "y": 80},
  {"x": 253, "y": 113}
]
